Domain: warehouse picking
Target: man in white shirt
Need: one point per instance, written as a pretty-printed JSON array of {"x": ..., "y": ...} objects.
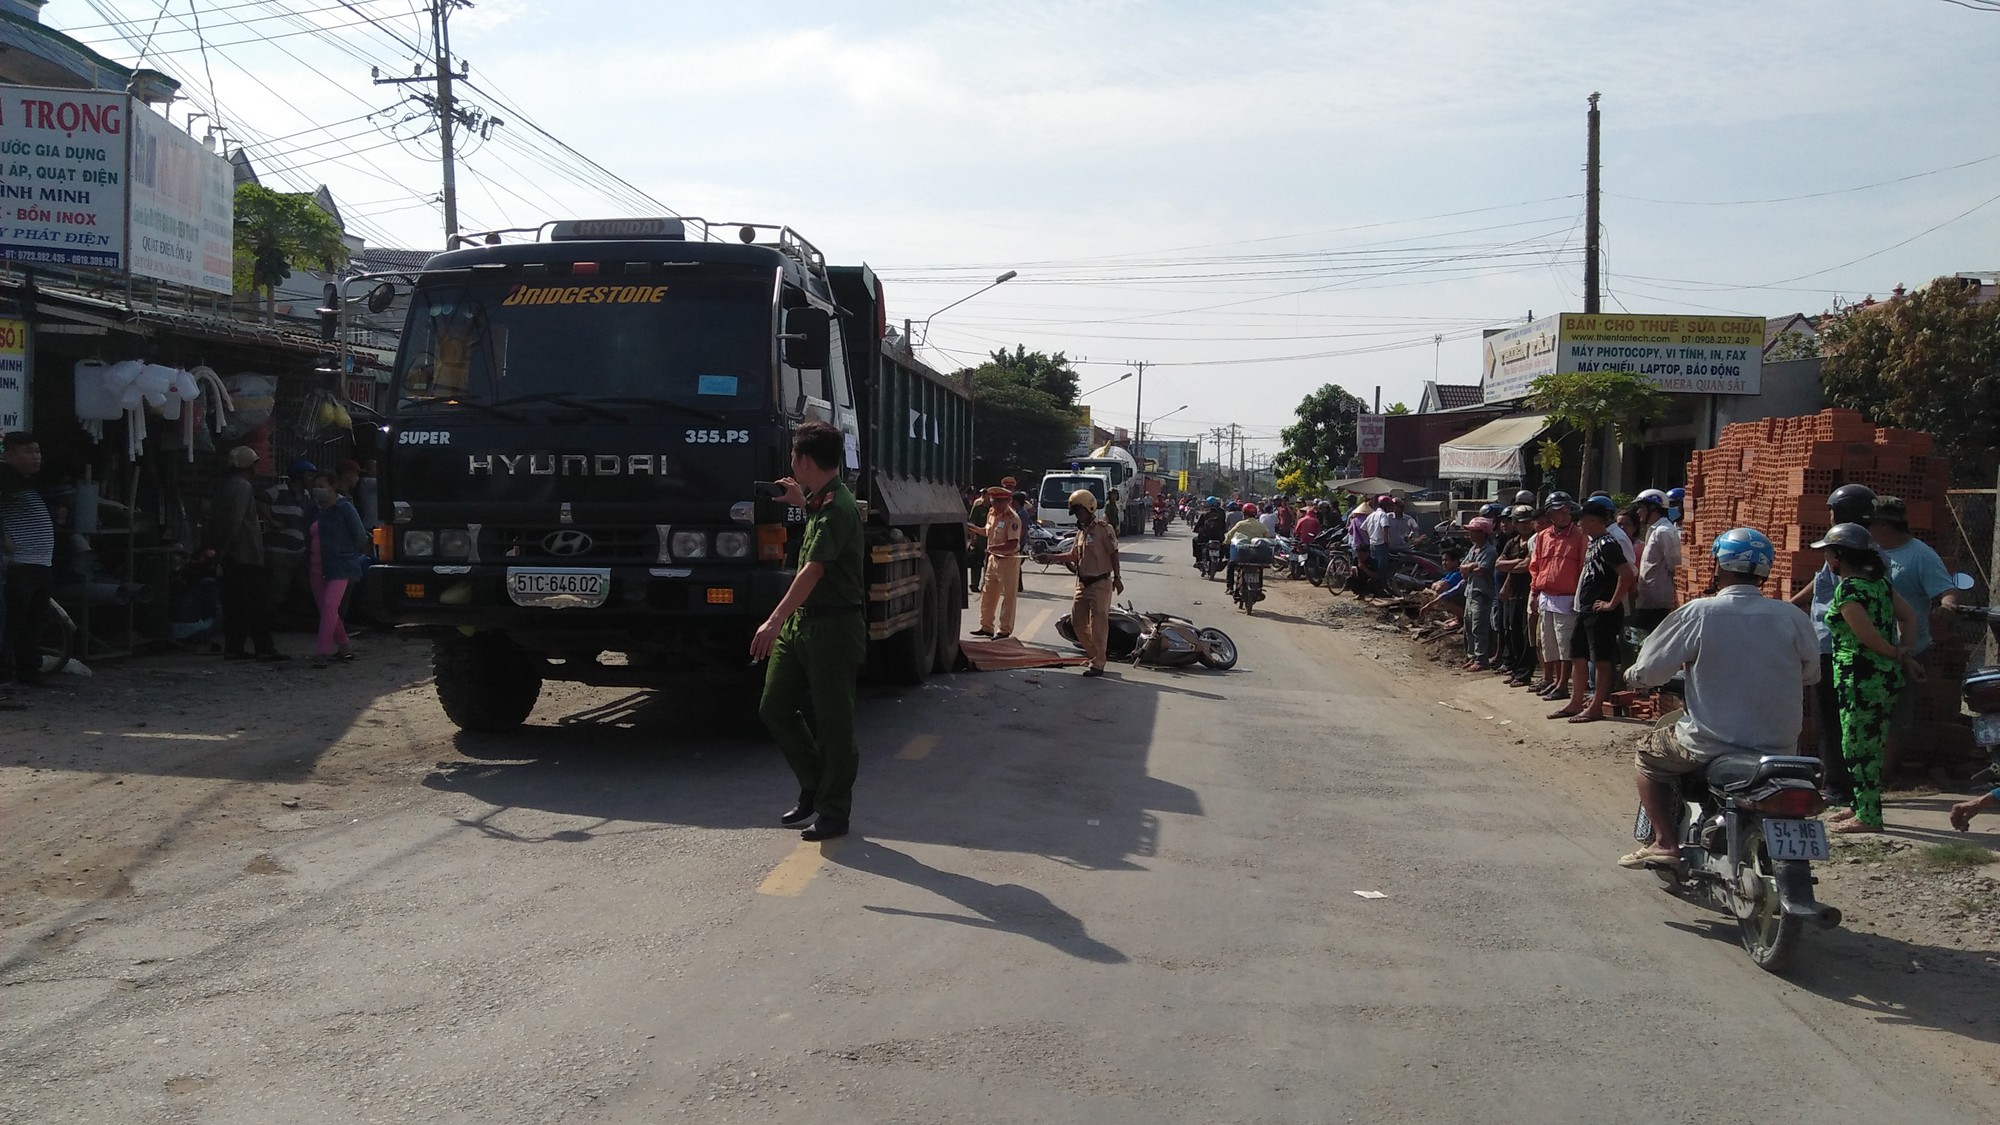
[
  {"x": 1748, "y": 659},
  {"x": 1388, "y": 530},
  {"x": 1658, "y": 559}
]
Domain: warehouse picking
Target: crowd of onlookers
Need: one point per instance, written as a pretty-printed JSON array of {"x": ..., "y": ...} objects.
[{"x": 283, "y": 551}]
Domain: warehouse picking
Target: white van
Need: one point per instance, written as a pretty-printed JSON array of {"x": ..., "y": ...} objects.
[{"x": 1052, "y": 502}]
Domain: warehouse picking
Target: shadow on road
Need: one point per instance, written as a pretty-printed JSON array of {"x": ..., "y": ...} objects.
[
  {"x": 1007, "y": 907},
  {"x": 1899, "y": 982},
  {"x": 1041, "y": 762}
]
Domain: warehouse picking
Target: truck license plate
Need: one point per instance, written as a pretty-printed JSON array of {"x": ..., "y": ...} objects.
[
  {"x": 558, "y": 589},
  {"x": 1796, "y": 839}
]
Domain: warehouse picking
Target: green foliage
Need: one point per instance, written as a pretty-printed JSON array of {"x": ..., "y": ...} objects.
[
  {"x": 1023, "y": 417},
  {"x": 1587, "y": 401},
  {"x": 275, "y": 231},
  {"x": 1548, "y": 455},
  {"x": 1927, "y": 361},
  {"x": 1322, "y": 439},
  {"x": 1790, "y": 346},
  {"x": 1953, "y": 855},
  {"x": 1397, "y": 408},
  {"x": 1050, "y": 374}
]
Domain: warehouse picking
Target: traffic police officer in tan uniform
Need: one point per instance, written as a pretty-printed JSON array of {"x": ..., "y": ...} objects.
[
  {"x": 1097, "y": 578},
  {"x": 816, "y": 639},
  {"x": 1003, "y": 563}
]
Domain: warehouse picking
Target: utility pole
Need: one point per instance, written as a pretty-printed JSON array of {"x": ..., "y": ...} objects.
[
  {"x": 444, "y": 105},
  {"x": 1591, "y": 218},
  {"x": 1138, "y": 404}
]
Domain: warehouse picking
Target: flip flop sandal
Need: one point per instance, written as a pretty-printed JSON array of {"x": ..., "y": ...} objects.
[
  {"x": 1586, "y": 717},
  {"x": 1563, "y": 714},
  {"x": 1646, "y": 857}
]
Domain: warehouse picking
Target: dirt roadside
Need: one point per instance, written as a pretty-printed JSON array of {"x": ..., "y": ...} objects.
[{"x": 1891, "y": 883}]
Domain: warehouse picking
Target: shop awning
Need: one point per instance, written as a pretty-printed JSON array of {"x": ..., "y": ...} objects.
[
  {"x": 1374, "y": 486},
  {"x": 1493, "y": 451}
]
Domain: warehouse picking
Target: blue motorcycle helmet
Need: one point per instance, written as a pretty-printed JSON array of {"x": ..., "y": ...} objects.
[{"x": 1744, "y": 550}]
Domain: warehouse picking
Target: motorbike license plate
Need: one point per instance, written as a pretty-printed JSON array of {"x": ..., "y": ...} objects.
[
  {"x": 1796, "y": 839},
  {"x": 1986, "y": 729},
  {"x": 558, "y": 589}
]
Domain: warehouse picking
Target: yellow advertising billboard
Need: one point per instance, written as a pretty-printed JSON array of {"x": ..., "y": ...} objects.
[{"x": 1678, "y": 354}]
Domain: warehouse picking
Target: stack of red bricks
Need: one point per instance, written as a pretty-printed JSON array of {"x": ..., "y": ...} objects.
[{"x": 1775, "y": 475}]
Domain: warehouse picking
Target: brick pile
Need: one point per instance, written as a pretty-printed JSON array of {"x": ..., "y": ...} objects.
[{"x": 1775, "y": 474}]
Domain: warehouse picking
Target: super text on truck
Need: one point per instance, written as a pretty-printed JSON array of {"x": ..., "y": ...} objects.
[{"x": 579, "y": 420}]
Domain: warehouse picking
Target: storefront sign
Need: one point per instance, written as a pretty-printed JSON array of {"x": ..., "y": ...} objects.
[
  {"x": 13, "y": 375},
  {"x": 1372, "y": 432},
  {"x": 1512, "y": 359},
  {"x": 183, "y": 206},
  {"x": 62, "y": 177},
  {"x": 1720, "y": 355}
]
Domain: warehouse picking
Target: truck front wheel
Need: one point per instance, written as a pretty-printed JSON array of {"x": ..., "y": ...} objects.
[{"x": 485, "y": 682}]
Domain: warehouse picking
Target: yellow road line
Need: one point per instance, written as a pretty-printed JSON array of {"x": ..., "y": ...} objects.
[
  {"x": 1027, "y": 635},
  {"x": 789, "y": 878},
  {"x": 918, "y": 748}
]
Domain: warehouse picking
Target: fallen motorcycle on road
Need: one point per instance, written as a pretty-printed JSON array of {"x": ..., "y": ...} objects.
[{"x": 1163, "y": 640}]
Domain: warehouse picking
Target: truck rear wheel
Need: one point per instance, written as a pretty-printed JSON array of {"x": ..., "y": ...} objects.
[
  {"x": 907, "y": 657},
  {"x": 485, "y": 682},
  {"x": 948, "y": 586}
]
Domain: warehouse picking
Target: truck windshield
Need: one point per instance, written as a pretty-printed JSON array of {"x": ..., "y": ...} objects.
[
  {"x": 1056, "y": 490},
  {"x": 700, "y": 340}
]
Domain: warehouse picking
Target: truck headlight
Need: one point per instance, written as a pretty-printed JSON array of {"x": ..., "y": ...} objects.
[
  {"x": 690, "y": 545},
  {"x": 732, "y": 544},
  {"x": 453, "y": 544},
  {"x": 419, "y": 544}
]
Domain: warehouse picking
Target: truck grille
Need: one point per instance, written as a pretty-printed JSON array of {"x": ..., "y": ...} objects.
[{"x": 594, "y": 545}]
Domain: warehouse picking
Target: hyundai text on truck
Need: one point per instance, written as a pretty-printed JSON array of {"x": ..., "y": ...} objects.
[{"x": 579, "y": 423}]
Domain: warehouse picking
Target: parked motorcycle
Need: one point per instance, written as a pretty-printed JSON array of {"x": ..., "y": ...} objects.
[
  {"x": 1747, "y": 845},
  {"x": 1981, "y": 688},
  {"x": 1164, "y": 640}
]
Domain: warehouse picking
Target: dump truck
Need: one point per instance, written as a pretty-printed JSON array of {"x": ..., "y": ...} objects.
[{"x": 582, "y": 418}]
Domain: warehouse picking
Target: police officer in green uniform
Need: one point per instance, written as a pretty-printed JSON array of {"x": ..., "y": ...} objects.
[{"x": 816, "y": 639}]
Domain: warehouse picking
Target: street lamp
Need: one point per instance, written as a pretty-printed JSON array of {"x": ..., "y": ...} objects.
[
  {"x": 1154, "y": 422},
  {"x": 1001, "y": 280},
  {"x": 1112, "y": 383}
]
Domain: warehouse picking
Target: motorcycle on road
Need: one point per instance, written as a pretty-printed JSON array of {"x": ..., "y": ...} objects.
[
  {"x": 1747, "y": 846},
  {"x": 1164, "y": 640}
]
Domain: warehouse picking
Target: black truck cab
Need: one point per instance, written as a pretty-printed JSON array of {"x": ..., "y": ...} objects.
[{"x": 577, "y": 432}]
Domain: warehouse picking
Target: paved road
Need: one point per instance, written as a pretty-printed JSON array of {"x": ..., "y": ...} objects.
[{"x": 1129, "y": 899}]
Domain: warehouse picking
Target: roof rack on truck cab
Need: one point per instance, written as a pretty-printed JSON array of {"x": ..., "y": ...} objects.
[{"x": 784, "y": 239}]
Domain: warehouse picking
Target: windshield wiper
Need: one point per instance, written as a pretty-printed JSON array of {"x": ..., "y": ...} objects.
[
  {"x": 470, "y": 404},
  {"x": 564, "y": 398},
  {"x": 669, "y": 404}
]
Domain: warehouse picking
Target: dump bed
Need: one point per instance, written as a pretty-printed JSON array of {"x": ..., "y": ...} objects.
[{"x": 916, "y": 442}]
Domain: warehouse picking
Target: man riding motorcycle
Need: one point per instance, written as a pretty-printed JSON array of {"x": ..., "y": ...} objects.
[
  {"x": 1748, "y": 659},
  {"x": 1209, "y": 526}
]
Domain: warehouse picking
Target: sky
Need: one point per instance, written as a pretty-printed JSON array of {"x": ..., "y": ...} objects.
[{"x": 1253, "y": 198}]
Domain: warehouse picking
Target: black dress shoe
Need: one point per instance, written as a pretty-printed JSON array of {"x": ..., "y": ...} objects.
[
  {"x": 1093, "y": 671},
  {"x": 825, "y": 828},
  {"x": 800, "y": 813}
]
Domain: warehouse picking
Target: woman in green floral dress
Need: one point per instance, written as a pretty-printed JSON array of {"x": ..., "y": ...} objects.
[{"x": 1864, "y": 617}]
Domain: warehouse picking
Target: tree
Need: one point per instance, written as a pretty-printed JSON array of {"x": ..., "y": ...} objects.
[
  {"x": 1791, "y": 346},
  {"x": 1023, "y": 413},
  {"x": 1928, "y": 360},
  {"x": 1050, "y": 374},
  {"x": 1587, "y": 401},
  {"x": 276, "y": 230},
  {"x": 1397, "y": 408},
  {"x": 1323, "y": 437}
]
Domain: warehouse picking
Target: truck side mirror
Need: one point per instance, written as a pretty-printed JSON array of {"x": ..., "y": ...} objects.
[
  {"x": 381, "y": 297},
  {"x": 806, "y": 337}
]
